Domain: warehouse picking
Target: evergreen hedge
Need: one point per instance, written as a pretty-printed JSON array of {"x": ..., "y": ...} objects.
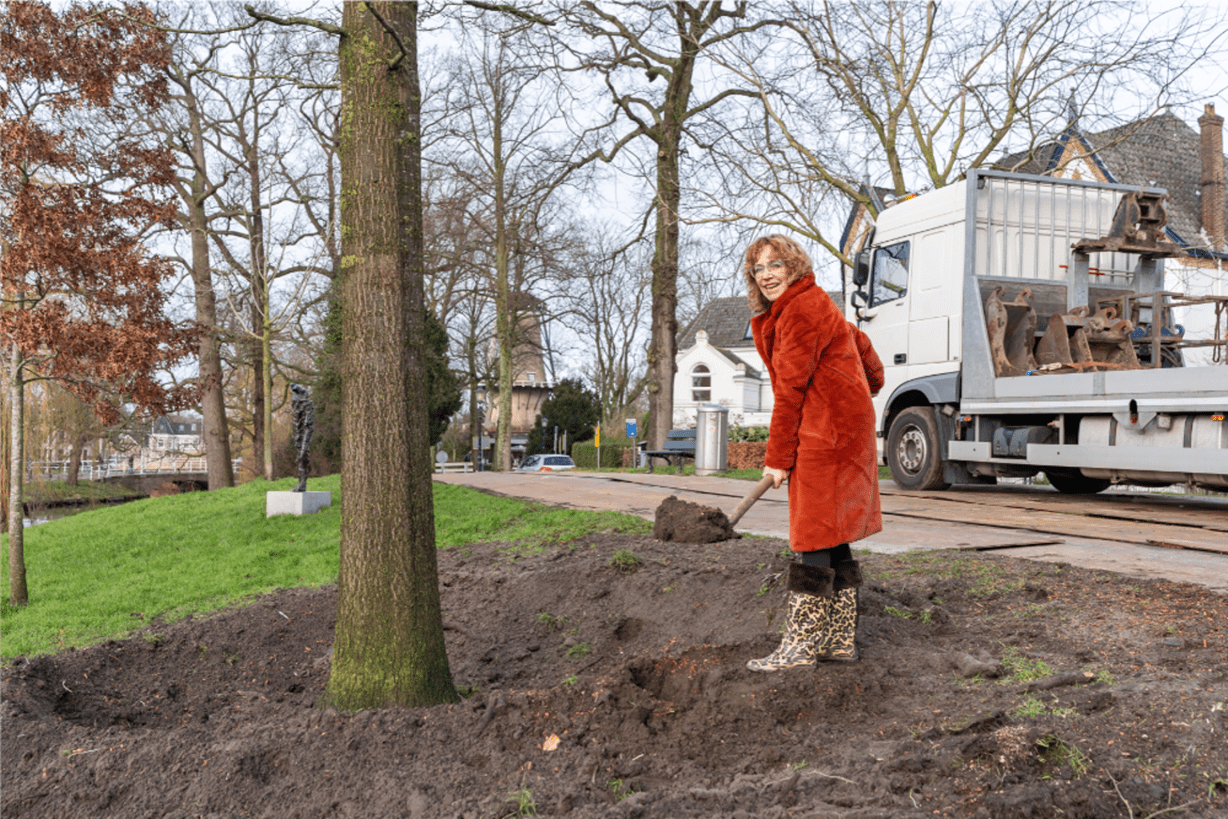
[{"x": 585, "y": 453}]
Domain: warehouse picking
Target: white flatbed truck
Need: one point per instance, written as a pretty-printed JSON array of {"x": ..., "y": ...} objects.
[{"x": 1025, "y": 327}]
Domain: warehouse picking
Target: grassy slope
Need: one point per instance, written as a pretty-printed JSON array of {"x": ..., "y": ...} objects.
[
  {"x": 49, "y": 492},
  {"x": 107, "y": 572}
]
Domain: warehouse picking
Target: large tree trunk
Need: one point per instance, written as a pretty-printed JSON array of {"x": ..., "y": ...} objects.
[
  {"x": 389, "y": 647},
  {"x": 214, "y": 430},
  {"x": 256, "y": 351},
  {"x": 74, "y": 459},
  {"x": 262, "y": 406},
  {"x": 18, "y": 593},
  {"x": 662, "y": 352}
]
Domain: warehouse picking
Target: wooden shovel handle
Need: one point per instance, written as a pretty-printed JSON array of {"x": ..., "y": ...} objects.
[{"x": 764, "y": 484}]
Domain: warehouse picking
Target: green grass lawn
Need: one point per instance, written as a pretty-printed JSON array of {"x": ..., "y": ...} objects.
[{"x": 107, "y": 572}]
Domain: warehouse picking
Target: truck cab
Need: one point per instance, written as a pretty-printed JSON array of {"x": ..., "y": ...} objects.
[{"x": 1024, "y": 326}]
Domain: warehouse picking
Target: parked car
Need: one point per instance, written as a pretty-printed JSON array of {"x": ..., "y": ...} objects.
[{"x": 546, "y": 463}]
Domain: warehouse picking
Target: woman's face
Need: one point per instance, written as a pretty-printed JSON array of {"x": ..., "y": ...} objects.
[{"x": 771, "y": 274}]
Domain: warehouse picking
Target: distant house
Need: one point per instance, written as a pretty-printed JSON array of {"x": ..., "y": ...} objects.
[
  {"x": 718, "y": 364},
  {"x": 178, "y": 434}
]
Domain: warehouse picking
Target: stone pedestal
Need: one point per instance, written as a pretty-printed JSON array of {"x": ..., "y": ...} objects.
[{"x": 295, "y": 503}]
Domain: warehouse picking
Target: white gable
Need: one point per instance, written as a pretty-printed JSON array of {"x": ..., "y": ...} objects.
[{"x": 708, "y": 375}]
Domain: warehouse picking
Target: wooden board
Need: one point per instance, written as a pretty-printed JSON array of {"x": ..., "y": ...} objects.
[
  {"x": 1196, "y": 512},
  {"x": 1039, "y": 519}
]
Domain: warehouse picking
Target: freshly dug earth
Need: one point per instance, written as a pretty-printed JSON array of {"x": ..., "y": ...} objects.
[
  {"x": 686, "y": 522},
  {"x": 607, "y": 678}
]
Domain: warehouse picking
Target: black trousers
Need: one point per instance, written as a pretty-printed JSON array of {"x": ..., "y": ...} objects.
[{"x": 827, "y": 558}]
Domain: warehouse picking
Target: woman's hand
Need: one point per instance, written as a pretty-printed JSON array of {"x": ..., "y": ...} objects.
[{"x": 778, "y": 476}]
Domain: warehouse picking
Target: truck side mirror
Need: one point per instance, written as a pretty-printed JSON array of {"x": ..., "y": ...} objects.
[
  {"x": 861, "y": 268},
  {"x": 860, "y": 299}
]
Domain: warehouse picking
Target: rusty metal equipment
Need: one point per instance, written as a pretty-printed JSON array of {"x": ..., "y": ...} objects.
[
  {"x": 1087, "y": 343},
  {"x": 1109, "y": 340},
  {"x": 1012, "y": 331},
  {"x": 1064, "y": 341},
  {"x": 1138, "y": 227}
]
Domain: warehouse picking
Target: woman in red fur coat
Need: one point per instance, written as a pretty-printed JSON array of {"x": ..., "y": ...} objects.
[{"x": 821, "y": 440}]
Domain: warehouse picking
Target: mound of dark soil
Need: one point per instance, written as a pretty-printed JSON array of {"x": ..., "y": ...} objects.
[{"x": 598, "y": 686}]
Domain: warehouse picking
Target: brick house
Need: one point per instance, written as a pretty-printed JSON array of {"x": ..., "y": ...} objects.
[{"x": 531, "y": 384}]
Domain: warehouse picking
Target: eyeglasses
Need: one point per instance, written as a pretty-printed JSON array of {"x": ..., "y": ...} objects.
[{"x": 772, "y": 267}]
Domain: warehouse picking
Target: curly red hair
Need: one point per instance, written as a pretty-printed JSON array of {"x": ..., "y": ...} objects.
[{"x": 797, "y": 262}]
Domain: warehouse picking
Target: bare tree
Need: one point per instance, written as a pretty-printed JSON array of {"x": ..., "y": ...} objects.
[
  {"x": 910, "y": 96},
  {"x": 634, "y": 45},
  {"x": 502, "y": 144},
  {"x": 194, "y": 185},
  {"x": 83, "y": 302},
  {"x": 611, "y": 296},
  {"x": 389, "y": 648}
]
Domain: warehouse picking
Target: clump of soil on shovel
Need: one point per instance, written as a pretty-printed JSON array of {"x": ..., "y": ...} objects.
[
  {"x": 599, "y": 686},
  {"x": 687, "y": 522}
]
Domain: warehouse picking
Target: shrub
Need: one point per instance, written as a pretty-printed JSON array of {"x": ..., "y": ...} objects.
[
  {"x": 585, "y": 454},
  {"x": 752, "y": 434}
]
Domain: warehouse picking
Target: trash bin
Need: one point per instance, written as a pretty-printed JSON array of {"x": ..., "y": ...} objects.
[{"x": 711, "y": 440}]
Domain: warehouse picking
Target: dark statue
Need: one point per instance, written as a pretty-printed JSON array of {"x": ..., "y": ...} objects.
[{"x": 304, "y": 424}]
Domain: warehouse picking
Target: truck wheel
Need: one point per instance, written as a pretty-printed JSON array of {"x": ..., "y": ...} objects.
[
  {"x": 913, "y": 450},
  {"x": 1074, "y": 482}
]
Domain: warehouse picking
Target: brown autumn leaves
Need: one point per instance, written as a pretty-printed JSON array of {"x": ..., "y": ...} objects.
[{"x": 83, "y": 184}]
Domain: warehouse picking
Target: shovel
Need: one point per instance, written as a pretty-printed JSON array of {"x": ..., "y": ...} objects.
[
  {"x": 687, "y": 522},
  {"x": 765, "y": 483}
]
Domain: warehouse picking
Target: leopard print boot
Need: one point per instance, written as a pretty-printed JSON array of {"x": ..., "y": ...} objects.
[
  {"x": 838, "y": 644},
  {"x": 810, "y": 593}
]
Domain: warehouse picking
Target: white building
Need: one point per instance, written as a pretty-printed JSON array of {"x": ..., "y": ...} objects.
[{"x": 718, "y": 364}]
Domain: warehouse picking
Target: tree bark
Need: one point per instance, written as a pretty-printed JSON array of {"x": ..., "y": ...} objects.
[
  {"x": 215, "y": 431},
  {"x": 74, "y": 460},
  {"x": 662, "y": 352},
  {"x": 5, "y": 420},
  {"x": 19, "y": 595},
  {"x": 503, "y": 309},
  {"x": 262, "y": 408},
  {"x": 389, "y": 647}
]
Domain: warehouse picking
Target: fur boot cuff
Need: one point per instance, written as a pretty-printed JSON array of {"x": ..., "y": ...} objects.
[
  {"x": 814, "y": 580},
  {"x": 848, "y": 575}
]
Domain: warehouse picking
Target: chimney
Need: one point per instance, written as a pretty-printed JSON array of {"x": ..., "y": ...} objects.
[{"x": 1211, "y": 151}]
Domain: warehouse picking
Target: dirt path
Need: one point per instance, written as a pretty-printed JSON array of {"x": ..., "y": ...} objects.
[{"x": 599, "y": 692}]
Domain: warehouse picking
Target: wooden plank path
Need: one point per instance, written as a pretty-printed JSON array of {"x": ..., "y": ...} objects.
[
  {"x": 988, "y": 517},
  {"x": 1112, "y": 532},
  {"x": 1175, "y": 522}
]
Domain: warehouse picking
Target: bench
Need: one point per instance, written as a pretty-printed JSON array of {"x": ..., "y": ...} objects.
[{"x": 679, "y": 444}]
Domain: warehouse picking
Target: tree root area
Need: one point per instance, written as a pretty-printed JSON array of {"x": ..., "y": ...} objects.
[{"x": 596, "y": 687}]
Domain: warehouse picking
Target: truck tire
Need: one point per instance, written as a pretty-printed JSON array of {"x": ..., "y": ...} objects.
[
  {"x": 914, "y": 450},
  {"x": 1074, "y": 482}
]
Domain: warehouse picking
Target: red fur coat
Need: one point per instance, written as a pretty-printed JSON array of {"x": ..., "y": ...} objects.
[{"x": 823, "y": 370}]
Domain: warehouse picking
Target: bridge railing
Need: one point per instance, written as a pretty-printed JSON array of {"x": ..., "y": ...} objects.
[{"x": 117, "y": 466}]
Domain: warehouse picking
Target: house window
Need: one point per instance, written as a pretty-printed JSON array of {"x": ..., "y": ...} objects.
[
  {"x": 532, "y": 377},
  {"x": 749, "y": 334},
  {"x": 701, "y": 384}
]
